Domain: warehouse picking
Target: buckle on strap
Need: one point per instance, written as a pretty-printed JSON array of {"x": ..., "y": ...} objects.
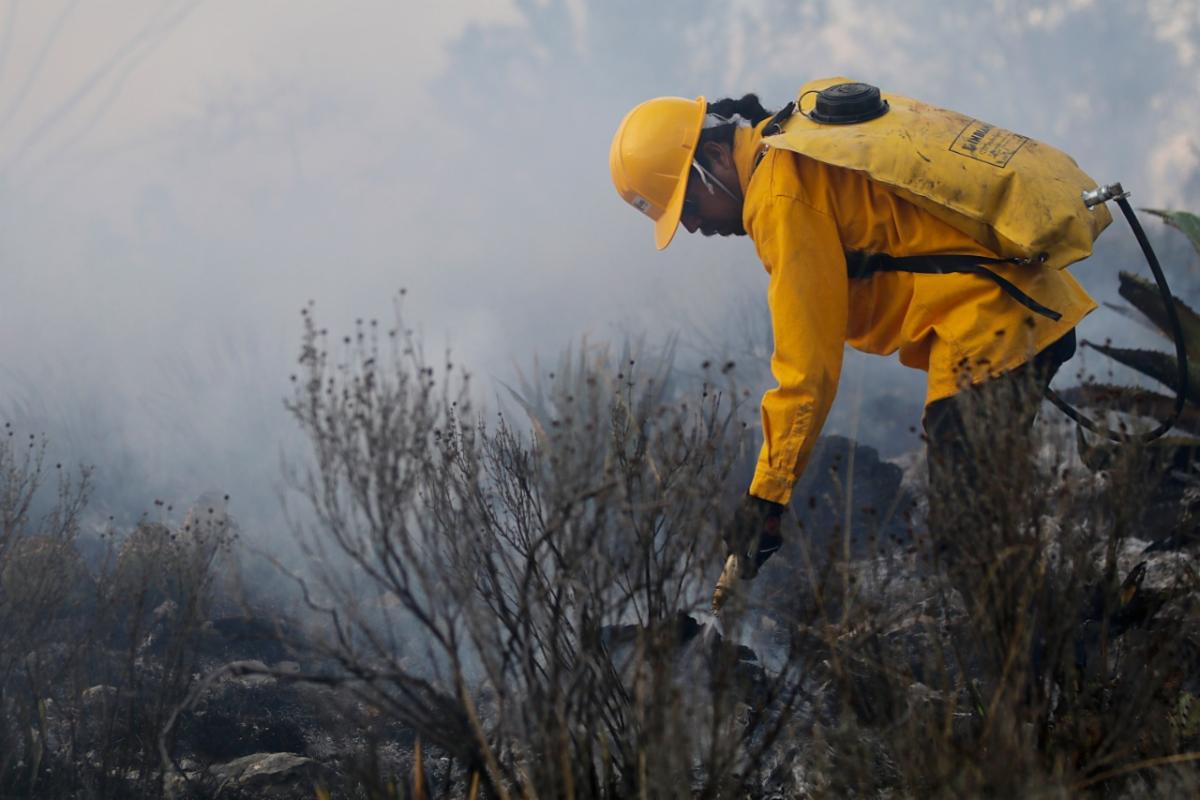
[{"x": 781, "y": 116}]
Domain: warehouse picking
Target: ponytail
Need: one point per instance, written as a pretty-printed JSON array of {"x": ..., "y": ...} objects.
[{"x": 748, "y": 107}]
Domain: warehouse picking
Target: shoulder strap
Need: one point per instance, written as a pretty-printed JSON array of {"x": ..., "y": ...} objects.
[
  {"x": 781, "y": 116},
  {"x": 775, "y": 126}
]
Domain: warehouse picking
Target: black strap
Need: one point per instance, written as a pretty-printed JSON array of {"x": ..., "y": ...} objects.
[
  {"x": 862, "y": 265},
  {"x": 773, "y": 127},
  {"x": 781, "y": 116}
]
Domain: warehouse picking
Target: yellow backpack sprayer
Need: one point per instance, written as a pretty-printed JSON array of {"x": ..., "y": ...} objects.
[{"x": 1024, "y": 200}]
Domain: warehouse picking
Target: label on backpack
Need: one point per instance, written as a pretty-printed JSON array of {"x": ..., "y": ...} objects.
[{"x": 987, "y": 143}]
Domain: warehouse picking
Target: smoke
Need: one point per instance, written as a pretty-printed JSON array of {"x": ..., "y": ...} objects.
[{"x": 166, "y": 211}]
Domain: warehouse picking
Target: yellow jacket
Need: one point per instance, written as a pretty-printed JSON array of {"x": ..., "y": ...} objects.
[{"x": 803, "y": 217}]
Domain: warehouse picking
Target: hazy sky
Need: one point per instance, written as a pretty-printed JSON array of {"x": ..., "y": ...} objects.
[{"x": 177, "y": 179}]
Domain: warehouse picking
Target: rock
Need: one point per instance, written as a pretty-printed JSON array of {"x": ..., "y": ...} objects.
[
  {"x": 253, "y": 679},
  {"x": 270, "y": 775},
  {"x": 241, "y": 715},
  {"x": 100, "y": 695},
  {"x": 839, "y": 469}
]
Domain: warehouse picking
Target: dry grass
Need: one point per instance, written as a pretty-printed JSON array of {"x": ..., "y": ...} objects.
[
  {"x": 512, "y": 593},
  {"x": 93, "y": 656},
  {"x": 520, "y": 596}
]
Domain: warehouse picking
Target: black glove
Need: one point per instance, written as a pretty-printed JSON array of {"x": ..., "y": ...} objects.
[{"x": 754, "y": 533}]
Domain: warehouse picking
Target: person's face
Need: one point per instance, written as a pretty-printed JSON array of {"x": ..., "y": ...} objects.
[{"x": 707, "y": 208}]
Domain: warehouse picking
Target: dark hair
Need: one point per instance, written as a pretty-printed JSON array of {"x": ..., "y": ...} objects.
[{"x": 748, "y": 107}]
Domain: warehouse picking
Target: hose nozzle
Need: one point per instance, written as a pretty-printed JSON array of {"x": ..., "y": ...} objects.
[
  {"x": 1102, "y": 194},
  {"x": 727, "y": 583}
]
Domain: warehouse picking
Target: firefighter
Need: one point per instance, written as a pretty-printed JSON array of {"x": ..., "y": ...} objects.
[{"x": 984, "y": 337}]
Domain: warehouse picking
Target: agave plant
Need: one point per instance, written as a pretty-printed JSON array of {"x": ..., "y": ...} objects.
[{"x": 1143, "y": 295}]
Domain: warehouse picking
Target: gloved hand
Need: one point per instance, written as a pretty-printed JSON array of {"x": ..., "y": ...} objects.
[{"x": 754, "y": 533}]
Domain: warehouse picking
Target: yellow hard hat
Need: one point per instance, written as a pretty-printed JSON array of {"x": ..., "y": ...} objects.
[{"x": 651, "y": 157}]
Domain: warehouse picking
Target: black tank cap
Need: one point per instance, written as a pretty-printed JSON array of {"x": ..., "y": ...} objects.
[{"x": 846, "y": 103}]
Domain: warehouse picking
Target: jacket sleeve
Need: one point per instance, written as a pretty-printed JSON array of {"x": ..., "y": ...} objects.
[{"x": 808, "y": 297}]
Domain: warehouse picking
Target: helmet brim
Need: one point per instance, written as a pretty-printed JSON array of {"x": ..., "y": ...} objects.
[{"x": 666, "y": 225}]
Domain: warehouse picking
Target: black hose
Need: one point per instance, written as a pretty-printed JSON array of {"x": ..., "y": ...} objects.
[{"x": 1181, "y": 358}]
